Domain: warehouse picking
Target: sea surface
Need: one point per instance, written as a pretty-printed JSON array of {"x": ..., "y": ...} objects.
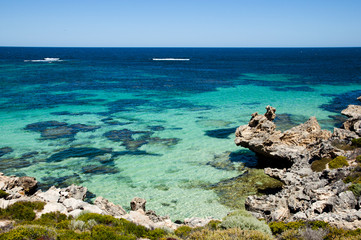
[{"x": 154, "y": 122}]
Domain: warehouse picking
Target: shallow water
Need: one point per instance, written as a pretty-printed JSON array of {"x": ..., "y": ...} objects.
[{"x": 151, "y": 128}]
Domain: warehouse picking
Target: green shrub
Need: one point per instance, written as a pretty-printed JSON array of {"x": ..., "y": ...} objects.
[
  {"x": 183, "y": 231},
  {"x": 320, "y": 165},
  {"x": 318, "y": 224},
  {"x": 213, "y": 224},
  {"x": 356, "y": 142},
  {"x": 358, "y": 159},
  {"x": 99, "y": 218},
  {"x": 101, "y": 232},
  {"x": 280, "y": 227},
  {"x": 21, "y": 210},
  {"x": 339, "y": 233},
  {"x": 356, "y": 189},
  {"x": 54, "y": 216},
  {"x": 338, "y": 162},
  {"x": 3, "y": 194},
  {"x": 29, "y": 232},
  {"x": 245, "y": 221}
]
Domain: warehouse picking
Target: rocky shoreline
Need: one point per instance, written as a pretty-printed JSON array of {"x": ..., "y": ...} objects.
[
  {"x": 70, "y": 201},
  {"x": 307, "y": 194}
]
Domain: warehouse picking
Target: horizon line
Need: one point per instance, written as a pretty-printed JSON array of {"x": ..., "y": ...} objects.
[{"x": 174, "y": 47}]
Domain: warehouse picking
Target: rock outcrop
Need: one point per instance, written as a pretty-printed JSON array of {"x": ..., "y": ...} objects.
[
  {"x": 306, "y": 195},
  {"x": 284, "y": 148}
]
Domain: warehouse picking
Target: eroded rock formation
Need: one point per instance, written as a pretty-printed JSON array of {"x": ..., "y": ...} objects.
[{"x": 306, "y": 195}]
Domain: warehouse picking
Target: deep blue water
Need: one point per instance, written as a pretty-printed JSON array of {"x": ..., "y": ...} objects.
[{"x": 151, "y": 128}]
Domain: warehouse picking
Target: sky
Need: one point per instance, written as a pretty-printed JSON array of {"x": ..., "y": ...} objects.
[{"x": 184, "y": 23}]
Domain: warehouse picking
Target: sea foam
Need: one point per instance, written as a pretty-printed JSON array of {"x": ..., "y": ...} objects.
[
  {"x": 45, "y": 60},
  {"x": 170, "y": 59}
]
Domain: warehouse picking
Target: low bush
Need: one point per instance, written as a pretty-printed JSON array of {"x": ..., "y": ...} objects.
[
  {"x": 339, "y": 233},
  {"x": 29, "y": 232},
  {"x": 245, "y": 221},
  {"x": 356, "y": 142},
  {"x": 320, "y": 165},
  {"x": 355, "y": 189},
  {"x": 3, "y": 194},
  {"x": 21, "y": 210},
  {"x": 183, "y": 231},
  {"x": 280, "y": 227},
  {"x": 358, "y": 159},
  {"x": 338, "y": 162},
  {"x": 213, "y": 224}
]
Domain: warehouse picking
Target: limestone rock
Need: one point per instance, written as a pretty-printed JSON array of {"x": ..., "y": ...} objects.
[
  {"x": 305, "y": 195},
  {"x": 77, "y": 192},
  {"x": 138, "y": 203},
  {"x": 352, "y": 111},
  {"x": 109, "y": 207}
]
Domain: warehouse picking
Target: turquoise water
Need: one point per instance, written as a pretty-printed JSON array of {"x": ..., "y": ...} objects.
[{"x": 154, "y": 128}]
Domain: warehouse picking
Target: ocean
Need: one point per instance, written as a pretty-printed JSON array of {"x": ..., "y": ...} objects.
[{"x": 158, "y": 123}]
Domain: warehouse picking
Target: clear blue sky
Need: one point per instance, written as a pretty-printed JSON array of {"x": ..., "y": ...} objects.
[{"x": 181, "y": 23}]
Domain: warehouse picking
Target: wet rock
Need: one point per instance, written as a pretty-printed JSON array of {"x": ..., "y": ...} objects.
[
  {"x": 5, "y": 150},
  {"x": 137, "y": 203},
  {"x": 109, "y": 207}
]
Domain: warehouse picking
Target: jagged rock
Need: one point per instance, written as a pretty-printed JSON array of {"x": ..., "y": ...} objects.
[
  {"x": 291, "y": 146},
  {"x": 352, "y": 111},
  {"x": 109, "y": 207},
  {"x": 271, "y": 113},
  {"x": 306, "y": 195},
  {"x": 138, "y": 203},
  {"x": 341, "y": 134},
  {"x": 154, "y": 217},
  {"x": 77, "y": 192},
  {"x": 29, "y": 184}
]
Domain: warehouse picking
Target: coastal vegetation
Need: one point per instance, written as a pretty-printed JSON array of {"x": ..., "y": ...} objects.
[{"x": 88, "y": 226}]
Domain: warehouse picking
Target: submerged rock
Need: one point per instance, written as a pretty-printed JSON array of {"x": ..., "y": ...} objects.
[
  {"x": 5, "y": 150},
  {"x": 51, "y": 130}
]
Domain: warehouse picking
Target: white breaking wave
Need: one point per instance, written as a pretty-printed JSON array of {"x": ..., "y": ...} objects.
[
  {"x": 171, "y": 59},
  {"x": 45, "y": 60}
]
